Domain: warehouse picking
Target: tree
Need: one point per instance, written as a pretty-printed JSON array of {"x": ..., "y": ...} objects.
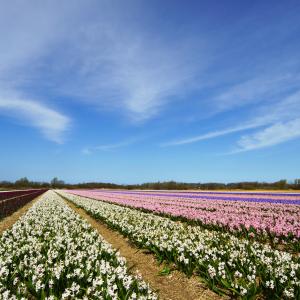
[
  {"x": 22, "y": 182},
  {"x": 281, "y": 184},
  {"x": 297, "y": 183},
  {"x": 56, "y": 183}
]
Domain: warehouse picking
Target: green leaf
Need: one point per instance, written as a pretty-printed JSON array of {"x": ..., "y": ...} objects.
[{"x": 165, "y": 271}]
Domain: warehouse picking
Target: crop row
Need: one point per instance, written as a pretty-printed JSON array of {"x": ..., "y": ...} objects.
[
  {"x": 243, "y": 267},
  {"x": 17, "y": 200},
  {"x": 277, "y": 223},
  {"x": 245, "y": 197},
  {"x": 51, "y": 253},
  {"x": 14, "y": 193},
  {"x": 275, "y": 194}
]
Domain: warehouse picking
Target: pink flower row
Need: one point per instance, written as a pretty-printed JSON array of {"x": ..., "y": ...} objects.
[{"x": 280, "y": 219}]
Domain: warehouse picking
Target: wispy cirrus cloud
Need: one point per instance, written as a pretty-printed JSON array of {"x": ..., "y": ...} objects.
[
  {"x": 121, "y": 67},
  {"x": 33, "y": 34},
  {"x": 279, "y": 116},
  {"x": 267, "y": 88},
  {"x": 110, "y": 61},
  {"x": 115, "y": 61},
  {"x": 107, "y": 147},
  {"x": 273, "y": 135},
  {"x": 50, "y": 122},
  {"x": 210, "y": 135}
]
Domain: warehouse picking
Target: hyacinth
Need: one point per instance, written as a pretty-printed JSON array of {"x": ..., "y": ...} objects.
[
  {"x": 264, "y": 213},
  {"x": 51, "y": 253},
  {"x": 244, "y": 267}
]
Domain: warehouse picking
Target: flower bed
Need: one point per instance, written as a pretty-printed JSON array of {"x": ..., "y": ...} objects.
[
  {"x": 16, "y": 200},
  {"x": 243, "y": 267},
  {"x": 51, "y": 253},
  {"x": 278, "y": 224}
]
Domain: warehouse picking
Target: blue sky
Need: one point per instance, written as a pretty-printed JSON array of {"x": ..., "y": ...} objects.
[{"x": 135, "y": 91}]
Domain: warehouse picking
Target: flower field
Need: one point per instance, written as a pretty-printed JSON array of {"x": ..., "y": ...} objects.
[
  {"x": 12, "y": 200},
  {"x": 238, "y": 264},
  {"x": 245, "y": 245},
  {"x": 265, "y": 217},
  {"x": 51, "y": 253},
  {"x": 14, "y": 193}
]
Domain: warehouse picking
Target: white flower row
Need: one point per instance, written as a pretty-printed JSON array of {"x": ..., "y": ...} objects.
[
  {"x": 51, "y": 253},
  {"x": 245, "y": 267}
]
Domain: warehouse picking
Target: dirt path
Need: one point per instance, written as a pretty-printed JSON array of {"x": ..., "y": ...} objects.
[
  {"x": 175, "y": 286},
  {"x": 9, "y": 221}
]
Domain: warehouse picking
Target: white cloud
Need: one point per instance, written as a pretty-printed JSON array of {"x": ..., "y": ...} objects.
[
  {"x": 110, "y": 60},
  {"x": 275, "y": 113},
  {"x": 126, "y": 70},
  {"x": 276, "y": 134},
  {"x": 263, "y": 88},
  {"x": 107, "y": 147},
  {"x": 29, "y": 33},
  {"x": 210, "y": 135},
  {"x": 115, "y": 62},
  {"x": 286, "y": 109},
  {"x": 50, "y": 122}
]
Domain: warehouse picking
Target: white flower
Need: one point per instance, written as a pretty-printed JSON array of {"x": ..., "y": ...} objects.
[{"x": 212, "y": 271}]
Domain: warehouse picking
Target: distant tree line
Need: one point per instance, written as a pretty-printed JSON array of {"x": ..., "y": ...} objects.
[{"x": 24, "y": 183}]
